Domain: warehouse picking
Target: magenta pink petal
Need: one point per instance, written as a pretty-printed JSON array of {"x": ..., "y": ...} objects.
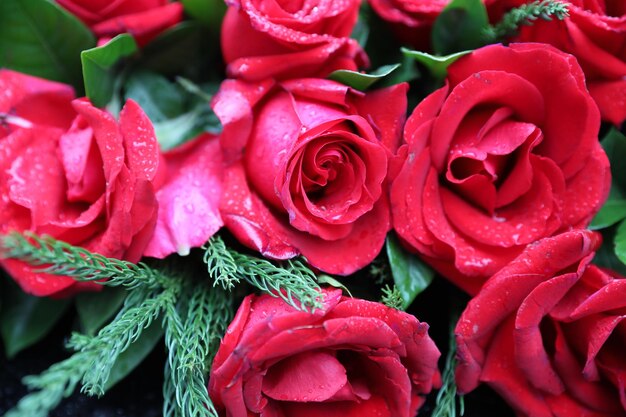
[
  {"x": 140, "y": 143},
  {"x": 189, "y": 200}
]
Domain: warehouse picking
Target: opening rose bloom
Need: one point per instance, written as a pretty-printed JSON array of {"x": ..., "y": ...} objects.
[
  {"x": 351, "y": 358},
  {"x": 504, "y": 154},
  {"x": 290, "y": 39},
  {"x": 144, "y": 19},
  {"x": 308, "y": 167},
  {"x": 548, "y": 333},
  {"x": 595, "y": 33},
  {"x": 71, "y": 171}
]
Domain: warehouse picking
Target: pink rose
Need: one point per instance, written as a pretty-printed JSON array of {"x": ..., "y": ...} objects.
[
  {"x": 312, "y": 179},
  {"x": 70, "y": 170},
  {"x": 351, "y": 358}
]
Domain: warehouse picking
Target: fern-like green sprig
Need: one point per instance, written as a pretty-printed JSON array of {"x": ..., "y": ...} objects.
[
  {"x": 60, "y": 258},
  {"x": 53, "y": 385},
  {"x": 446, "y": 402},
  {"x": 220, "y": 263},
  {"x": 392, "y": 297},
  {"x": 292, "y": 281},
  {"x": 93, "y": 362},
  {"x": 125, "y": 329},
  {"x": 191, "y": 337},
  {"x": 526, "y": 14}
]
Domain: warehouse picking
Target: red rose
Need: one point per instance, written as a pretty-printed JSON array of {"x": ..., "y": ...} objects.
[
  {"x": 351, "y": 358},
  {"x": 595, "y": 33},
  {"x": 265, "y": 38},
  {"x": 312, "y": 179},
  {"x": 70, "y": 170},
  {"x": 547, "y": 332},
  {"x": 505, "y": 154},
  {"x": 144, "y": 19},
  {"x": 412, "y": 20},
  {"x": 189, "y": 198}
]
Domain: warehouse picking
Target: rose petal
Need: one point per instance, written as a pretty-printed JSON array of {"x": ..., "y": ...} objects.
[
  {"x": 309, "y": 376},
  {"x": 189, "y": 200}
]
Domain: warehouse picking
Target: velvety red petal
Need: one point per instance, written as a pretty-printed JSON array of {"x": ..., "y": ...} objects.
[
  {"x": 36, "y": 100},
  {"x": 388, "y": 120},
  {"x": 233, "y": 106},
  {"x": 313, "y": 376},
  {"x": 530, "y": 353},
  {"x": 107, "y": 134},
  {"x": 610, "y": 96},
  {"x": 376, "y": 406},
  {"x": 140, "y": 143},
  {"x": 144, "y": 25}
]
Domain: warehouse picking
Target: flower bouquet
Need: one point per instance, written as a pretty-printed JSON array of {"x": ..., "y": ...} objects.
[{"x": 316, "y": 208}]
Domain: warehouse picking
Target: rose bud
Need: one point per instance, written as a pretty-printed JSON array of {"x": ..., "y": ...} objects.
[
  {"x": 263, "y": 39},
  {"x": 504, "y": 154},
  {"x": 547, "y": 332},
  {"x": 350, "y": 358},
  {"x": 71, "y": 171},
  {"x": 312, "y": 179}
]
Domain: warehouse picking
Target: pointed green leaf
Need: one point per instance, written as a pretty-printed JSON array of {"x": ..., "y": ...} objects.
[
  {"x": 620, "y": 242},
  {"x": 611, "y": 212},
  {"x": 437, "y": 65},
  {"x": 40, "y": 38},
  {"x": 26, "y": 319},
  {"x": 460, "y": 27},
  {"x": 410, "y": 275},
  {"x": 157, "y": 96},
  {"x": 95, "y": 309},
  {"x": 605, "y": 256},
  {"x": 614, "y": 144},
  {"x": 99, "y": 67},
  {"x": 360, "y": 81},
  {"x": 135, "y": 354},
  {"x": 328, "y": 280}
]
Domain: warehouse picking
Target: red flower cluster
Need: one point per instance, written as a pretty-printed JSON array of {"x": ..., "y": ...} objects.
[{"x": 491, "y": 180}]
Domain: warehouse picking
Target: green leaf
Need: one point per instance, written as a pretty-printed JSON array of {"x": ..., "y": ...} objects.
[
  {"x": 135, "y": 354},
  {"x": 360, "y": 81},
  {"x": 437, "y": 65},
  {"x": 209, "y": 12},
  {"x": 26, "y": 319},
  {"x": 605, "y": 256},
  {"x": 611, "y": 212},
  {"x": 460, "y": 27},
  {"x": 614, "y": 144},
  {"x": 328, "y": 280},
  {"x": 99, "y": 67},
  {"x": 410, "y": 275},
  {"x": 40, "y": 38},
  {"x": 157, "y": 96},
  {"x": 183, "y": 50},
  {"x": 620, "y": 242},
  {"x": 95, "y": 309},
  {"x": 361, "y": 31}
]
